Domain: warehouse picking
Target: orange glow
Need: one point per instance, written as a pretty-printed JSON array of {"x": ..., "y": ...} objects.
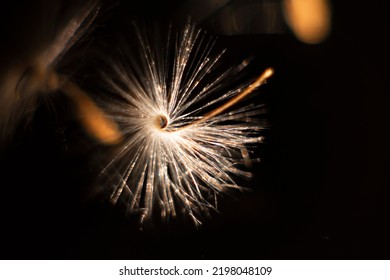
[
  {"x": 92, "y": 117},
  {"x": 309, "y": 19}
]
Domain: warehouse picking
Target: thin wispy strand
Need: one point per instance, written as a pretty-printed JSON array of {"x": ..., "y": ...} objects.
[{"x": 34, "y": 76}]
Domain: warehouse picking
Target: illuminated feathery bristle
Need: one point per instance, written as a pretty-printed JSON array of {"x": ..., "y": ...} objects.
[{"x": 179, "y": 151}]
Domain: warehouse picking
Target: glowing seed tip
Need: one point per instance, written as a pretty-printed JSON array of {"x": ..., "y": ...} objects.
[{"x": 268, "y": 73}]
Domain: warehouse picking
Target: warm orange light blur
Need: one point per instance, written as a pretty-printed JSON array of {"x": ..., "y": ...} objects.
[
  {"x": 93, "y": 119},
  {"x": 310, "y": 20}
]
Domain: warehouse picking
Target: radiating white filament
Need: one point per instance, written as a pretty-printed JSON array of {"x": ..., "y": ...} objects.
[{"x": 179, "y": 150}]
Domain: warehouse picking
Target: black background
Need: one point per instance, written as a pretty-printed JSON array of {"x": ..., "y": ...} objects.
[{"x": 320, "y": 192}]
